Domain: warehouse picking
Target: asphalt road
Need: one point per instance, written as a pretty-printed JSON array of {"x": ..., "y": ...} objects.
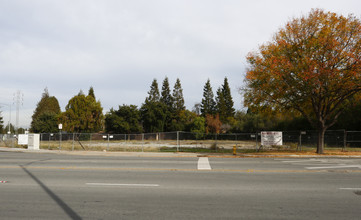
[{"x": 58, "y": 186}]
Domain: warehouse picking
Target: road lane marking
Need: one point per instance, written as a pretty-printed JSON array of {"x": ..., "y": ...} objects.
[
  {"x": 321, "y": 164},
  {"x": 122, "y": 184},
  {"x": 176, "y": 169},
  {"x": 334, "y": 167},
  {"x": 203, "y": 164}
]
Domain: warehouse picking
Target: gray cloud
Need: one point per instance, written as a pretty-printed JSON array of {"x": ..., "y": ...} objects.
[{"x": 118, "y": 47}]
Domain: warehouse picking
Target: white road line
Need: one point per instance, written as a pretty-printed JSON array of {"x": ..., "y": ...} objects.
[
  {"x": 122, "y": 184},
  {"x": 296, "y": 161},
  {"x": 334, "y": 167},
  {"x": 306, "y": 161},
  {"x": 203, "y": 164}
]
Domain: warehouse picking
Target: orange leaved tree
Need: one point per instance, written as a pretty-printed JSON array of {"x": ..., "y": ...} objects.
[{"x": 312, "y": 65}]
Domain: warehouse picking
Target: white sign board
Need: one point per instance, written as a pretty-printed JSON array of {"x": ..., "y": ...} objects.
[
  {"x": 60, "y": 126},
  {"x": 22, "y": 139},
  {"x": 269, "y": 138}
]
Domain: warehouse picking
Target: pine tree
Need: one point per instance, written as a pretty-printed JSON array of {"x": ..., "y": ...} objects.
[
  {"x": 177, "y": 114},
  {"x": 48, "y": 106},
  {"x": 153, "y": 94},
  {"x": 224, "y": 102},
  {"x": 208, "y": 103},
  {"x": 221, "y": 107},
  {"x": 166, "y": 98},
  {"x": 91, "y": 92},
  {"x": 1, "y": 123},
  {"x": 178, "y": 100},
  {"x": 228, "y": 99},
  {"x": 153, "y": 111}
]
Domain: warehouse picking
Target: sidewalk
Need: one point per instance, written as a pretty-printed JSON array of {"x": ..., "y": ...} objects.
[
  {"x": 102, "y": 153},
  {"x": 186, "y": 154}
]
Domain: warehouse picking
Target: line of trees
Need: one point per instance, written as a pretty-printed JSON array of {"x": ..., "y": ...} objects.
[
  {"x": 307, "y": 77},
  {"x": 164, "y": 110},
  {"x": 83, "y": 113}
]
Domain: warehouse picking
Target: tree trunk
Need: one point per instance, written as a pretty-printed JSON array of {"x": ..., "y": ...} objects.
[{"x": 321, "y": 138}]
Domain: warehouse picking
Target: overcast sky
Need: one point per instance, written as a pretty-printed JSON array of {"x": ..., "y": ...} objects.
[{"x": 119, "y": 47}]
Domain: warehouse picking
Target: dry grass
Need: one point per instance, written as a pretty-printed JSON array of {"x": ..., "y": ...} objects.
[{"x": 206, "y": 146}]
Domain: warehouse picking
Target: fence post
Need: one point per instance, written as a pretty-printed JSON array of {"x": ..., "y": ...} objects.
[
  {"x": 216, "y": 143},
  {"x": 108, "y": 143},
  {"x": 142, "y": 142},
  {"x": 72, "y": 144},
  {"x": 159, "y": 144},
  {"x": 256, "y": 139},
  {"x": 344, "y": 140},
  {"x": 59, "y": 139},
  {"x": 90, "y": 140},
  {"x": 177, "y": 141},
  {"x": 49, "y": 141}
]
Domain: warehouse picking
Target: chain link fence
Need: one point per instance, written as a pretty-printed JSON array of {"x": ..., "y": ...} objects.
[
  {"x": 163, "y": 141},
  {"x": 184, "y": 141},
  {"x": 8, "y": 140}
]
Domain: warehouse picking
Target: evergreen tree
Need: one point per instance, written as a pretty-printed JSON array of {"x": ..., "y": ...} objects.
[
  {"x": 1, "y": 124},
  {"x": 224, "y": 102},
  {"x": 153, "y": 94},
  {"x": 166, "y": 97},
  {"x": 48, "y": 105},
  {"x": 167, "y": 100},
  {"x": 47, "y": 122},
  {"x": 153, "y": 116},
  {"x": 179, "y": 116},
  {"x": 124, "y": 120},
  {"x": 81, "y": 92},
  {"x": 208, "y": 103},
  {"x": 221, "y": 104},
  {"x": 226, "y": 91},
  {"x": 83, "y": 114},
  {"x": 155, "y": 110},
  {"x": 178, "y": 100},
  {"x": 91, "y": 92}
]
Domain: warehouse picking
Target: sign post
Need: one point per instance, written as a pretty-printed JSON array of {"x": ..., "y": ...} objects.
[{"x": 60, "y": 126}]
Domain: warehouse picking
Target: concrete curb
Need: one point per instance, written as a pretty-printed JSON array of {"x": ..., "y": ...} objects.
[
  {"x": 171, "y": 154},
  {"x": 101, "y": 153}
]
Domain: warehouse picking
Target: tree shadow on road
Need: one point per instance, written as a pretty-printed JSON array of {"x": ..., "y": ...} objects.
[{"x": 69, "y": 211}]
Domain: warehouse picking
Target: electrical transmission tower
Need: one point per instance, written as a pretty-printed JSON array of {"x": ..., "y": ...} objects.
[{"x": 18, "y": 100}]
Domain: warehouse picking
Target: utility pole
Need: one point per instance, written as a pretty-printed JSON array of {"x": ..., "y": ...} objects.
[{"x": 18, "y": 99}]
